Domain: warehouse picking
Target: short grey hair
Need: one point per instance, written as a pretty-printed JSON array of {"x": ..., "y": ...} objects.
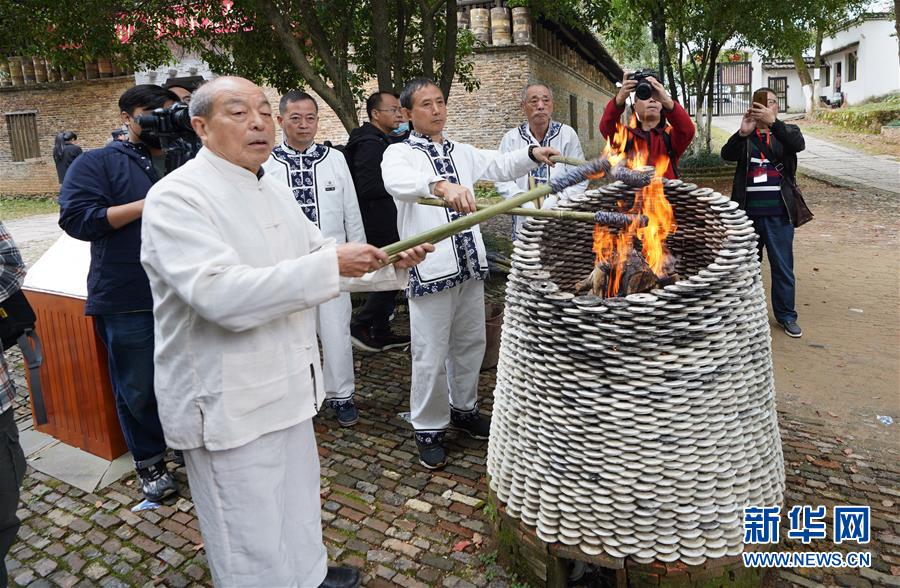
[
  {"x": 413, "y": 86},
  {"x": 524, "y": 95},
  {"x": 202, "y": 99}
]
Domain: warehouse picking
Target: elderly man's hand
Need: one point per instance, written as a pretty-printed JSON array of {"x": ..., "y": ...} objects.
[
  {"x": 458, "y": 197},
  {"x": 413, "y": 256},
  {"x": 660, "y": 93},
  {"x": 543, "y": 154},
  {"x": 625, "y": 90},
  {"x": 357, "y": 259}
]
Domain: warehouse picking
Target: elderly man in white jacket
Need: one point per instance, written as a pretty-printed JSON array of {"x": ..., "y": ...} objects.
[
  {"x": 539, "y": 128},
  {"x": 320, "y": 180},
  {"x": 236, "y": 271},
  {"x": 446, "y": 292}
]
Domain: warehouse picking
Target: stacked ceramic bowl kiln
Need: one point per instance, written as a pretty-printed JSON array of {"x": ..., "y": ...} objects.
[{"x": 638, "y": 426}]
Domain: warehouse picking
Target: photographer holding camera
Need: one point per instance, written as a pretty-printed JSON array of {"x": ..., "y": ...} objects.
[
  {"x": 663, "y": 126},
  {"x": 102, "y": 201}
]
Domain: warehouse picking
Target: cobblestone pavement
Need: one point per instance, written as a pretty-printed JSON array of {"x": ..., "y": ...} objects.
[{"x": 386, "y": 514}]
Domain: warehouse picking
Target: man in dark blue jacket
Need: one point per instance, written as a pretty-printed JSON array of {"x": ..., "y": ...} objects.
[{"x": 101, "y": 201}]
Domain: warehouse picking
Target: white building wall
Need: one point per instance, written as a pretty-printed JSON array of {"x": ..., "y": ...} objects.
[
  {"x": 795, "y": 99},
  {"x": 878, "y": 64}
]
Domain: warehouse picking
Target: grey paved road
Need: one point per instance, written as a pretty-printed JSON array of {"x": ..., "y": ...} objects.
[{"x": 838, "y": 164}]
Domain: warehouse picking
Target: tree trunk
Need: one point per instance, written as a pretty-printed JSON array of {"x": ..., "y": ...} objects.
[
  {"x": 658, "y": 36},
  {"x": 673, "y": 85},
  {"x": 427, "y": 40},
  {"x": 448, "y": 59},
  {"x": 805, "y": 79},
  {"x": 380, "y": 22},
  {"x": 341, "y": 102},
  {"x": 400, "y": 45},
  {"x": 817, "y": 63}
]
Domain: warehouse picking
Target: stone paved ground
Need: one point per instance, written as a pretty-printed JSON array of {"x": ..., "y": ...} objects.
[{"x": 386, "y": 514}]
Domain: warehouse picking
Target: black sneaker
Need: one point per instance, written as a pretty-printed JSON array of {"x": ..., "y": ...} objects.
[
  {"x": 431, "y": 450},
  {"x": 389, "y": 340},
  {"x": 178, "y": 457},
  {"x": 156, "y": 482},
  {"x": 792, "y": 329},
  {"x": 341, "y": 577},
  {"x": 472, "y": 423},
  {"x": 362, "y": 338},
  {"x": 346, "y": 412}
]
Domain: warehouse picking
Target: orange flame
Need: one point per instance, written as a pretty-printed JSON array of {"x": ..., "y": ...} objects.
[{"x": 612, "y": 246}]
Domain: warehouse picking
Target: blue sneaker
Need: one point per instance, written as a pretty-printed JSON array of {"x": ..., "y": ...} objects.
[
  {"x": 791, "y": 328},
  {"x": 431, "y": 450},
  {"x": 346, "y": 412}
]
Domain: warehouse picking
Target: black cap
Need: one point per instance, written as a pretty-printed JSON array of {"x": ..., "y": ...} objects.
[{"x": 189, "y": 83}]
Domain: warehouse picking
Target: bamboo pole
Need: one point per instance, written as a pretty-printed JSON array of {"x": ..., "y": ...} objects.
[
  {"x": 608, "y": 218},
  {"x": 636, "y": 178}
]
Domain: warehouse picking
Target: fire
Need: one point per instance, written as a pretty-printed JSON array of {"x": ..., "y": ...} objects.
[{"x": 613, "y": 246}]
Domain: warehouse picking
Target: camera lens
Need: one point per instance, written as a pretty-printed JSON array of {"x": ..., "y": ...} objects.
[{"x": 644, "y": 90}]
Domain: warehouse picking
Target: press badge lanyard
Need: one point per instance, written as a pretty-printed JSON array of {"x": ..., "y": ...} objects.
[{"x": 762, "y": 176}]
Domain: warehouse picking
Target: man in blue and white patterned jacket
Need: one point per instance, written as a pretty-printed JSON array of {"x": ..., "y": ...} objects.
[
  {"x": 320, "y": 180},
  {"x": 539, "y": 128},
  {"x": 446, "y": 292}
]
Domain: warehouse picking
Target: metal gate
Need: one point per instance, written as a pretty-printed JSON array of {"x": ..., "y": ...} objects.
[
  {"x": 732, "y": 89},
  {"x": 780, "y": 87}
]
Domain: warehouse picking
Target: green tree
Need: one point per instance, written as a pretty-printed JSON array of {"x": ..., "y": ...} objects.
[
  {"x": 790, "y": 30},
  {"x": 331, "y": 46}
]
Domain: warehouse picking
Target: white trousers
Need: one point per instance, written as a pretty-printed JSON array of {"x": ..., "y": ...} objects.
[
  {"x": 448, "y": 339},
  {"x": 259, "y": 510},
  {"x": 333, "y": 326}
]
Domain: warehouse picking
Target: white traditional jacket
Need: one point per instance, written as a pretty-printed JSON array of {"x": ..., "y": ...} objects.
[
  {"x": 410, "y": 169},
  {"x": 322, "y": 185},
  {"x": 236, "y": 270},
  {"x": 561, "y": 137}
]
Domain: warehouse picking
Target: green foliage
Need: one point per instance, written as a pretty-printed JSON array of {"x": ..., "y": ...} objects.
[
  {"x": 587, "y": 16},
  {"x": 20, "y": 207},
  {"x": 330, "y": 46},
  {"x": 703, "y": 159},
  {"x": 489, "y": 558},
  {"x": 866, "y": 118}
]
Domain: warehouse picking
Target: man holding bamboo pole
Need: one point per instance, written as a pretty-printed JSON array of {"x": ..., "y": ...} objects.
[
  {"x": 446, "y": 292},
  {"x": 539, "y": 128}
]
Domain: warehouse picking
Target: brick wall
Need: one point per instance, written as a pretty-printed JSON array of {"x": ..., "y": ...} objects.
[
  {"x": 482, "y": 117},
  {"x": 87, "y": 107}
]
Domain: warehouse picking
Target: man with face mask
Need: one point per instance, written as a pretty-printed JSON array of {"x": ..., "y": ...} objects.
[
  {"x": 102, "y": 201},
  {"x": 663, "y": 127},
  {"x": 371, "y": 328}
]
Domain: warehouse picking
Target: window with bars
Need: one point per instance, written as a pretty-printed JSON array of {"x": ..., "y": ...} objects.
[
  {"x": 573, "y": 111},
  {"x": 591, "y": 121},
  {"x": 23, "y": 136},
  {"x": 851, "y": 66}
]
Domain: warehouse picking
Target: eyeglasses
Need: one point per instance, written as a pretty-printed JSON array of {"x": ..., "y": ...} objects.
[{"x": 391, "y": 110}]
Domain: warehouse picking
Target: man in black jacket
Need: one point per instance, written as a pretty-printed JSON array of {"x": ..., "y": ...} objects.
[
  {"x": 371, "y": 329},
  {"x": 102, "y": 201},
  {"x": 765, "y": 150}
]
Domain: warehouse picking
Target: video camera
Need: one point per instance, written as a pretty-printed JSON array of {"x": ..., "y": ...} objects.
[
  {"x": 176, "y": 135},
  {"x": 643, "y": 90}
]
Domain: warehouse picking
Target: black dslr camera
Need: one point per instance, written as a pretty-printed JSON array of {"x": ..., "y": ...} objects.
[
  {"x": 644, "y": 90},
  {"x": 172, "y": 126}
]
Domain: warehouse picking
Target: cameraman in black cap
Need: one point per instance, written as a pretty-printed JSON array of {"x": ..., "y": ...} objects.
[
  {"x": 662, "y": 127},
  {"x": 101, "y": 201}
]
